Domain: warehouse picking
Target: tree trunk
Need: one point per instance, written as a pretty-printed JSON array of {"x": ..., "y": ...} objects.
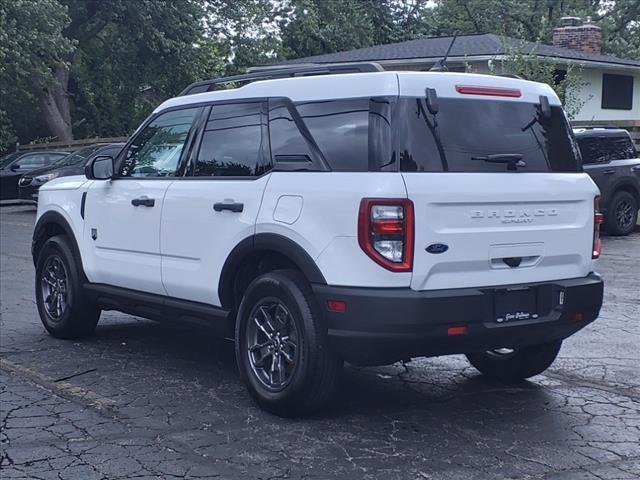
[{"x": 54, "y": 103}]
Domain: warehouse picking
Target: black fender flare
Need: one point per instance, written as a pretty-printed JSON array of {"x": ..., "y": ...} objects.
[
  {"x": 626, "y": 184},
  {"x": 39, "y": 235},
  {"x": 265, "y": 242}
]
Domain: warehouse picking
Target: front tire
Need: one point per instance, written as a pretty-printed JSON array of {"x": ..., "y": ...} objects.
[
  {"x": 64, "y": 311},
  {"x": 518, "y": 364},
  {"x": 281, "y": 346},
  {"x": 622, "y": 214}
]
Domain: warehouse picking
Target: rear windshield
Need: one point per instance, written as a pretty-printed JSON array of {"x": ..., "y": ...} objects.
[
  {"x": 465, "y": 134},
  {"x": 603, "y": 149}
]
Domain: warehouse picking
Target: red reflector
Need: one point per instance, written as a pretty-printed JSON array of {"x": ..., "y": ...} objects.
[
  {"x": 491, "y": 91},
  {"x": 387, "y": 227},
  {"x": 578, "y": 316},
  {"x": 336, "y": 306},
  {"x": 598, "y": 218},
  {"x": 456, "y": 330}
]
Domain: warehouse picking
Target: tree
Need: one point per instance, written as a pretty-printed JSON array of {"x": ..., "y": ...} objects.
[
  {"x": 564, "y": 79},
  {"x": 95, "y": 65},
  {"x": 33, "y": 56}
]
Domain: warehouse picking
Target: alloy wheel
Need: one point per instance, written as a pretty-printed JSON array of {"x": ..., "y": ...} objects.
[
  {"x": 272, "y": 341},
  {"x": 624, "y": 214},
  {"x": 54, "y": 287}
]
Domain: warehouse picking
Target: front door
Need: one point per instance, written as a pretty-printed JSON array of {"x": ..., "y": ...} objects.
[
  {"x": 122, "y": 215},
  {"x": 208, "y": 213}
]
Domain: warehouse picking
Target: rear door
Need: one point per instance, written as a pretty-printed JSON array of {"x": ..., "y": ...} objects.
[
  {"x": 496, "y": 185},
  {"x": 215, "y": 207}
]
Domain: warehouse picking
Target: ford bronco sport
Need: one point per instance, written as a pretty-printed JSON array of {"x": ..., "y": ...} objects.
[{"x": 319, "y": 218}]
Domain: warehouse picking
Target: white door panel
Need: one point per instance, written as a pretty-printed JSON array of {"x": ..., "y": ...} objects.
[
  {"x": 196, "y": 239},
  {"x": 126, "y": 249}
]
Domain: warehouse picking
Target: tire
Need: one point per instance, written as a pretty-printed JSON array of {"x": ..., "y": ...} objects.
[
  {"x": 69, "y": 315},
  {"x": 518, "y": 364},
  {"x": 305, "y": 376},
  {"x": 622, "y": 214}
]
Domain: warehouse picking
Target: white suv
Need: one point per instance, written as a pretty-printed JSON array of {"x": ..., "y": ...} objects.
[{"x": 316, "y": 219}]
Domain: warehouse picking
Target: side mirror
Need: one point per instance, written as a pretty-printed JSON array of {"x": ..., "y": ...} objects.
[
  {"x": 99, "y": 168},
  {"x": 15, "y": 167}
]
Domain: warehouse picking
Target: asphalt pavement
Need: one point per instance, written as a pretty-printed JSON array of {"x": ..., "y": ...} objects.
[{"x": 145, "y": 400}]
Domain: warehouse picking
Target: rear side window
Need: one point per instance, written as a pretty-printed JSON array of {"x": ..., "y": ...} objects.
[
  {"x": 341, "y": 131},
  {"x": 353, "y": 135},
  {"x": 465, "y": 131},
  {"x": 232, "y": 143},
  {"x": 604, "y": 149}
]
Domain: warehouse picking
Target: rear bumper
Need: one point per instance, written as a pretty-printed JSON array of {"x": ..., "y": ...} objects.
[{"x": 383, "y": 325}]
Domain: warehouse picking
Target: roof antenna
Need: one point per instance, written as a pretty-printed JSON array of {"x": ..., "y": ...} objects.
[{"x": 441, "y": 65}]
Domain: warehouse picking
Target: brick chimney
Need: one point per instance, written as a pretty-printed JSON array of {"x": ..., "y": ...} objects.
[{"x": 574, "y": 34}]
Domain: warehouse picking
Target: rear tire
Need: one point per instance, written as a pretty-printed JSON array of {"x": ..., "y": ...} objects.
[
  {"x": 622, "y": 214},
  {"x": 518, "y": 364},
  {"x": 64, "y": 311},
  {"x": 282, "y": 348}
]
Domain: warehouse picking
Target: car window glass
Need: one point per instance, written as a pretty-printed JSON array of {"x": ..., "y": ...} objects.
[
  {"x": 30, "y": 162},
  {"x": 77, "y": 157},
  {"x": 604, "y": 149},
  {"x": 287, "y": 143},
  {"x": 156, "y": 150},
  {"x": 464, "y": 132},
  {"x": 341, "y": 131},
  {"x": 232, "y": 142}
]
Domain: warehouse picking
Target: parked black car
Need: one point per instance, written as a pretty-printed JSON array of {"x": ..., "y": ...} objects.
[
  {"x": 72, "y": 164},
  {"x": 14, "y": 165},
  {"x": 610, "y": 158}
]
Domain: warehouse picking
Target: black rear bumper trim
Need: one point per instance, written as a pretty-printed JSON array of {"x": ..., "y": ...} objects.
[{"x": 383, "y": 325}]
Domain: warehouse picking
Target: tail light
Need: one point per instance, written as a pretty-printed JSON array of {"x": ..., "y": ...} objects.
[
  {"x": 598, "y": 218},
  {"x": 385, "y": 232}
]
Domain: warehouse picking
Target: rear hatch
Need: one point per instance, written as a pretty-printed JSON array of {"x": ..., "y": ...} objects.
[{"x": 496, "y": 182}]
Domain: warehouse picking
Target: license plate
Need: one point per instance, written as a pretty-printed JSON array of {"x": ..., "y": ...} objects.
[{"x": 515, "y": 305}]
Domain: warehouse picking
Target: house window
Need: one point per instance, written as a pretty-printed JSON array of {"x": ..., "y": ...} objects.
[{"x": 617, "y": 91}]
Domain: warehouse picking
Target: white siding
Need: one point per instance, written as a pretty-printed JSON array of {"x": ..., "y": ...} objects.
[{"x": 592, "y": 94}]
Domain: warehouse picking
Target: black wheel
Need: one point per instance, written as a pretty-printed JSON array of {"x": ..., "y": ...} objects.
[
  {"x": 510, "y": 364},
  {"x": 622, "y": 214},
  {"x": 63, "y": 310},
  {"x": 281, "y": 346}
]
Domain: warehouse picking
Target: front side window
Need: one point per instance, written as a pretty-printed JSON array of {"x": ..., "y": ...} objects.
[
  {"x": 156, "y": 150},
  {"x": 232, "y": 143}
]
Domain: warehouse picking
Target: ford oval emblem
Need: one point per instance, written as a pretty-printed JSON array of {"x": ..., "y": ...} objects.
[{"x": 437, "y": 248}]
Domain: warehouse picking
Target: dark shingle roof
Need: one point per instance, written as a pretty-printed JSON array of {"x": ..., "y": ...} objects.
[{"x": 465, "y": 45}]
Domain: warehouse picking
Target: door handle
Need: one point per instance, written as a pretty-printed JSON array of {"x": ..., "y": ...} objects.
[
  {"x": 231, "y": 206},
  {"x": 143, "y": 201},
  {"x": 610, "y": 171}
]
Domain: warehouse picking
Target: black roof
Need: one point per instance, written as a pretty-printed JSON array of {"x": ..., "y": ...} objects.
[{"x": 486, "y": 44}]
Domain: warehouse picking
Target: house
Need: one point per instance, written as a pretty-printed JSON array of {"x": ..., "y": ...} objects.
[{"x": 611, "y": 91}]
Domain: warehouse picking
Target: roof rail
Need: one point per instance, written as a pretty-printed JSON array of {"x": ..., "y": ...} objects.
[{"x": 267, "y": 73}]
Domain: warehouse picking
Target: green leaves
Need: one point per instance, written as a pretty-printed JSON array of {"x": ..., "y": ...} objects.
[{"x": 98, "y": 67}]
